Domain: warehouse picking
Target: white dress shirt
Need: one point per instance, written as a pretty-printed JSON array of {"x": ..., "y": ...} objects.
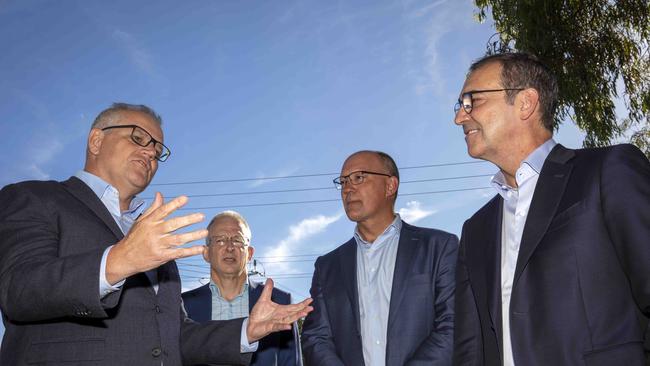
[{"x": 516, "y": 203}]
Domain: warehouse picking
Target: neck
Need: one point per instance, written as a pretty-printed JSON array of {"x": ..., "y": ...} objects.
[
  {"x": 229, "y": 286},
  {"x": 370, "y": 229},
  {"x": 512, "y": 159}
]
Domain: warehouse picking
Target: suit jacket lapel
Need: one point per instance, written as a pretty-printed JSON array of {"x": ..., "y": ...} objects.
[
  {"x": 254, "y": 293},
  {"x": 486, "y": 259},
  {"x": 348, "y": 261},
  {"x": 83, "y": 193},
  {"x": 406, "y": 250},
  {"x": 548, "y": 193}
]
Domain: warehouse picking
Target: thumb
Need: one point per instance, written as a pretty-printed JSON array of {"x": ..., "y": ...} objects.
[{"x": 268, "y": 290}]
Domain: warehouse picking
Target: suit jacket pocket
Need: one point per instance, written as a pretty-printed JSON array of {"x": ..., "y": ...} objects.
[{"x": 63, "y": 350}]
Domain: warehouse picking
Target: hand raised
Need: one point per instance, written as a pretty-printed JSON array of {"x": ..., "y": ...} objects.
[
  {"x": 151, "y": 241},
  {"x": 267, "y": 317}
]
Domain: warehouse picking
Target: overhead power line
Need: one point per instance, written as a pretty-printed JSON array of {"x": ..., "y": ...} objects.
[
  {"x": 328, "y": 188},
  {"x": 320, "y": 201},
  {"x": 231, "y": 180}
]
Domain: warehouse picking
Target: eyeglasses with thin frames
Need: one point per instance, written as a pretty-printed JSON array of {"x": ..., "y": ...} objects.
[
  {"x": 141, "y": 137},
  {"x": 354, "y": 178},
  {"x": 466, "y": 100},
  {"x": 221, "y": 241}
]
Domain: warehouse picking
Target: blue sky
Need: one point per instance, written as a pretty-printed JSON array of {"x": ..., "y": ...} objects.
[{"x": 254, "y": 89}]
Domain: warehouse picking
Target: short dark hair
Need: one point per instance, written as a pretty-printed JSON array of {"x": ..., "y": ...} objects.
[
  {"x": 106, "y": 117},
  {"x": 524, "y": 70}
]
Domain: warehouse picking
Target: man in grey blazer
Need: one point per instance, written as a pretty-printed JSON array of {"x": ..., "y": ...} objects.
[
  {"x": 386, "y": 296},
  {"x": 87, "y": 275}
]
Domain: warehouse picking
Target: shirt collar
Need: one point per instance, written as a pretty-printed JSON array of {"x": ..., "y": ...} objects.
[
  {"x": 391, "y": 229},
  {"x": 535, "y": 161},
  {"x": 103, "y": 190},
  {"x": 215, "y": 288}
]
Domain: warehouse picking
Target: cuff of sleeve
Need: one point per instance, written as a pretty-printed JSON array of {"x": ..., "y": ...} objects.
[
  {"x": 244, "y": 346},
  {"x": 105, "y": 288}
]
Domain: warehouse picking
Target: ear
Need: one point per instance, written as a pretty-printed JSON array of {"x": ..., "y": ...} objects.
[
  {"x": 251, "y": 251},
  {"x": 206, "y": 254},
  {"x": 527, "y": 103},
  {"x": 391, "y": 186},
  {"x": 95, "y": 139}
]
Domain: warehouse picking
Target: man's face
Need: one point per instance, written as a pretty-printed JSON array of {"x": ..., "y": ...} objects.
[
  {"x": 120, "y": 161},
  {"x": 489, "y": 127},
  {"x": 228, "y": 260},
  {"x": 373, "y": 197}
]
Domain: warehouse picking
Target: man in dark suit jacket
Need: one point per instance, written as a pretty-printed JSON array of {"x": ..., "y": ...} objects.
[
  {"x": 386, "y": 296},
  {"x": 554, "y": 270},
  {"x": 230, "y": 294},
  {"x": 76, "y": 290}
]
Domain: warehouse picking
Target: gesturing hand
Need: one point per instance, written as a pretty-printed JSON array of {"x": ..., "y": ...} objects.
[
  {"x": 151, "y": 242},
  {"x": 267, "y": 317}
]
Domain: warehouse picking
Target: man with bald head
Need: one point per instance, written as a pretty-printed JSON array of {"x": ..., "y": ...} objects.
[
  {"x": 87, "y": 274},
  {"x": 386, "y": 296}
]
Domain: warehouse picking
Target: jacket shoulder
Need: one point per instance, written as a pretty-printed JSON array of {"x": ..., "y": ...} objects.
[{"x": 429, "y": 232}]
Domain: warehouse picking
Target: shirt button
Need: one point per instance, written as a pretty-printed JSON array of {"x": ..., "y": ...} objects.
[
  {"x": 157, "y": 309},
  {"x": 377, "y": 342},
  {"x": 155, "y": 352}
]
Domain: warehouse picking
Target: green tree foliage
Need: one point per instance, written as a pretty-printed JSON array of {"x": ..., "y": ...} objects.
[{"x": 592, "y": 46}]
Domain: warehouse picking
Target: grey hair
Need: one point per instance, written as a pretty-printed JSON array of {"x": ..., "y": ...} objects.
[
  {"x": 108, "y": 116},
  {"x": 232, "y": 215}
]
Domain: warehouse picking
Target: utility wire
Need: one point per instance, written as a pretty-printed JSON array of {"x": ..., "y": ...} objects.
[
  {"x": 329, "y": 188},
  {"x": 321, "y": 201},
  {"x": 305, "y": 175}
]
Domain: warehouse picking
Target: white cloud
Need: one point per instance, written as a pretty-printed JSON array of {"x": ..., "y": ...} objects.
[
  {"x": 263, "y": 178},
  {"x": 413, "y": 212},
  {"x": 137, "y": 54},
  {"x": 295, "y": 242}
]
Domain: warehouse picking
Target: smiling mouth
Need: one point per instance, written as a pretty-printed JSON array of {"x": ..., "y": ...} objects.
[
  {"x": 229, "y": 260},
  {"x": 470, "y": 131}
]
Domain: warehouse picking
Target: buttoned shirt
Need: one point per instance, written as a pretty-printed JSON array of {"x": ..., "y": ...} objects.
[
  {"x": 375, "y": 268},
  {"x": 223, "y": 309},
  {"x": 516, "y": 203},
  {"x": 110, "y": 197}
]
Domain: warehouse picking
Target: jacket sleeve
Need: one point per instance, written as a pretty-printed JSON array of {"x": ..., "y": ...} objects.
[
  {"x": 212, "y": 342},
  {"x": 625, "y": 195},
  {"x": 36, "y": 282},
  {"x": 467, "y": 333},
  {"x": 317, "y": 342},
  {"x": 437, "y": 347}
]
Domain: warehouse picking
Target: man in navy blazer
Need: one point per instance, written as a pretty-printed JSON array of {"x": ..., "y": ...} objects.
[
  {"x": 386, "y": 296},
  {"x": 87, "y": 275},
  {"x": 555, "y": 269},
  {"x": 230, "y": 294}
]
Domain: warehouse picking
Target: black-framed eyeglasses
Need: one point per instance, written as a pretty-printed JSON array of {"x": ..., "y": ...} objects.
[
  {"x": 141, "y": 137},
  {"x": 466, "y": 100},
  {"x": 354, "y": 178},
  {"x": 221, "y": 241}
]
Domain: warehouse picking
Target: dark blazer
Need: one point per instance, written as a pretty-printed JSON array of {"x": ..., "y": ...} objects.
[
  {"x": 581, "y": 291},
  {"x": 420, "y": 319},
  {"x": 281, "y": 348},
  {"x": 52, "y": 237}
]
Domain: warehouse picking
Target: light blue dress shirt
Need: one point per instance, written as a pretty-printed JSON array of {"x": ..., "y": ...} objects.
[
  {"x": 110, "y": 197},
  {"x": 223, "y": 309},
  {"x": 516, "y": 203},
  {"x": 375, "y": 268}
]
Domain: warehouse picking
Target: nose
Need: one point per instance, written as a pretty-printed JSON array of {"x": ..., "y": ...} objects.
[
  {"x": 461, "y": 116},
  {"x": 149, "y": 151}
]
